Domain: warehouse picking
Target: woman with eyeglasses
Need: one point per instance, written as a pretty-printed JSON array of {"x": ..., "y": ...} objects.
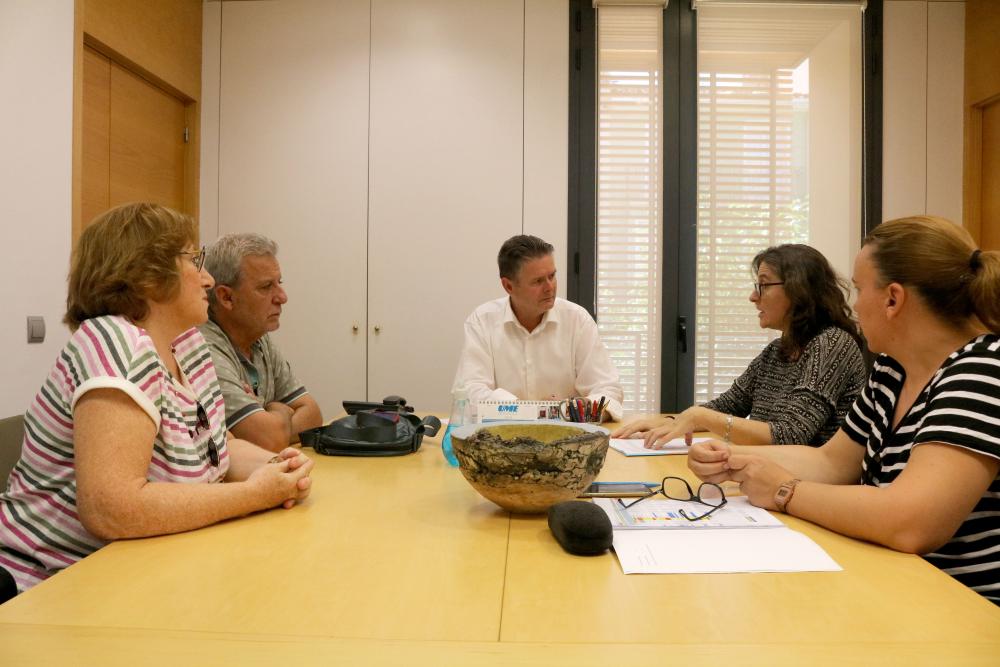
[
  {"x": 126, "y": 438},
  {"x": 801, "y": 385},
  {"x": 915, "y": 465}
]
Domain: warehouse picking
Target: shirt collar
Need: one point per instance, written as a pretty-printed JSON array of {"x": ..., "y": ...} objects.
[
  {"x": 551, "y": 316},
  {"x": 254, "y": 348}
]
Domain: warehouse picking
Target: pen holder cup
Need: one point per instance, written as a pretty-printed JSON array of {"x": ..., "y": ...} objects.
[{"x": 582, "y": 410}]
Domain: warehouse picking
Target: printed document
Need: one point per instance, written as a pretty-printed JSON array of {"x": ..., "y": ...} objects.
[
  {"x": 660, "y": 512},
  {"x": 633, "y": 446},
  {"x": 653, "y": 538}
]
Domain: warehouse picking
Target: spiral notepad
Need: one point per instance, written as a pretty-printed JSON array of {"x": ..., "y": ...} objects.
[{"x": 494, "y": 411}]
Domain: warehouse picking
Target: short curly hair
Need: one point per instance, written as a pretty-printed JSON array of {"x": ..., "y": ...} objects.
[{"x": 126, "y": 257}]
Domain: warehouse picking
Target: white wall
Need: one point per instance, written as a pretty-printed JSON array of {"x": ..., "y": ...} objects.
[
  {"x": 459, "y": 112},
  {"x": 546, "y": 125},
  {"x": 922, "y": 84},
  {"x": 835, "y": 136},
  {"x": 36, "y": 70},
  {"x": 922, "y": 77}
]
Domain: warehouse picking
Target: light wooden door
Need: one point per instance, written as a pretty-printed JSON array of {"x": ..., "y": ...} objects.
[
  {"x": 982, "y": 122},
  {"x": 134, "y": 146}
]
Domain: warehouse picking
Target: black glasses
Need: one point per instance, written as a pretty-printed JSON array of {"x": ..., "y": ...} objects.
[
  {"x": 759, "y": 287},
  {"x": 677, "y": 488},
  {"x": 197, "y": 258},
  {"x": 203, "y": 423}
]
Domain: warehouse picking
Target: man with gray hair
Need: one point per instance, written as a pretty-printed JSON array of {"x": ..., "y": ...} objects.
[{"x": 265, "y": 403}]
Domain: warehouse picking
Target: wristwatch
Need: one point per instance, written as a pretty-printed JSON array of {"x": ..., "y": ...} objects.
[{"x": 784, "y": 494}]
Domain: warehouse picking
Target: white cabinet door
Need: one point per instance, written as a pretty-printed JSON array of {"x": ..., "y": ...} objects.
[
  {"x": 445, "y": 181},
  {"x": 293, "y": 165}
]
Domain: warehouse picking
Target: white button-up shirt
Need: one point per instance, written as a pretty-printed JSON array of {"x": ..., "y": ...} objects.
[{"x": 562, "y": 357}]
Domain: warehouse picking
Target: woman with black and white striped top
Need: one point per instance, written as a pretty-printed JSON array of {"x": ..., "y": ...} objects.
[{"x": 915, "y": 465}]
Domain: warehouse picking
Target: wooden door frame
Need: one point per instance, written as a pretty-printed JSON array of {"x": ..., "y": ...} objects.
[
  {"x": 192, "y": 116},
  {"x": 978, "y": 96}
]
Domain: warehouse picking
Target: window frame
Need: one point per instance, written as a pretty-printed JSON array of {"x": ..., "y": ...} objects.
[{"x": 680, "y": 174}]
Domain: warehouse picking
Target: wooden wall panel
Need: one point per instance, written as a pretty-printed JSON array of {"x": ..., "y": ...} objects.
[
  {"x": 96, "y": 139},
  {"x": 147, "y": 142},
  {"x": 159, "y": 43},
  {"x": 161, "y": 37},
  {"x": 990, "y": 178},
  {"x": 982, "y": 122}
]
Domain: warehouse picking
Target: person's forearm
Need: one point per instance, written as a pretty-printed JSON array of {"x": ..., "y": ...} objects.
[
  {"x": 157, "y": 508},
  {"x": 804, "y": 462},
  {"x": 282, "y": 422},
  {"x": 863, "y": 512},
  {"x": 306, "y": 416},
  {"x": 244, "y": 458},
  {"x": 742, "y": 431}
]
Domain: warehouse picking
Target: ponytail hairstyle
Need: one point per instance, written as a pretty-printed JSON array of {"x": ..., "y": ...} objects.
[{"x": 939, "y": 260}]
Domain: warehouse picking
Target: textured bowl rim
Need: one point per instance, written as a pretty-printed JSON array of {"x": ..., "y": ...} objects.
[{"x": 466, "y": 431}]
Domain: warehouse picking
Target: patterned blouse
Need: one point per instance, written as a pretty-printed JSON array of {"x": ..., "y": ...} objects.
[
  {"x": 40, "y": 530},
  {"x": 804, "y": 400}
]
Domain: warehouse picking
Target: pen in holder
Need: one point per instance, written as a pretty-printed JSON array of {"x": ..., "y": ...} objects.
[{"x": 581, "y": 409}]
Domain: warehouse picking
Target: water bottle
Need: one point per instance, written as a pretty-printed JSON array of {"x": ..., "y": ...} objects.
[{"x": 459, "y": 413}]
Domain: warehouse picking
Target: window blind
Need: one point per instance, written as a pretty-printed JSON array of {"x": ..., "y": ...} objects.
[
  {"x": 746, "y": 203},
  {"x": 757, "y": 136},
  {"x": 629, "y": 186}
]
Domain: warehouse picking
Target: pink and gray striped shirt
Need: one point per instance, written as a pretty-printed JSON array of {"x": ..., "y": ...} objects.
[{"x": 40, "y": 531}]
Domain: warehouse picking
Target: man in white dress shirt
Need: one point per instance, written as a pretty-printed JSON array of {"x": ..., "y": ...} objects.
[{"x": 531, "y": 344}]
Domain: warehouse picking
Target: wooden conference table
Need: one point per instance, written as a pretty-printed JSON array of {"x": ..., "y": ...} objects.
[{"x": 398, "y": 561}]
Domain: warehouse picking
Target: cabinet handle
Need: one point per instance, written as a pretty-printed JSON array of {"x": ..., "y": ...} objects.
[
  {"x": 377, "y": 328},
  {"x": 354, "y": 327}
]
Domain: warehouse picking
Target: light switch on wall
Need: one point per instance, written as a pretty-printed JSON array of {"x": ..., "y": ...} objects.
[{"x": 36, "y": 329}]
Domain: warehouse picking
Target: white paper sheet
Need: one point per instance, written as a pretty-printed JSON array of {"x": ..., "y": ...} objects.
[
  {"x": 660, "y": 513},
  {"x": 633, "y": 446},
  {"x": 719, "y": 551}
]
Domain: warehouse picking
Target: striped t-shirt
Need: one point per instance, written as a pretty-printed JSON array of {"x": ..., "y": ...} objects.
[
  {"x": 960, "y": 406},
  {"x": 40, "y": 531}
]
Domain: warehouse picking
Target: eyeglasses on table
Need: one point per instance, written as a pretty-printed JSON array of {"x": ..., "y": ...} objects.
[{"x": 677, "y": 488}]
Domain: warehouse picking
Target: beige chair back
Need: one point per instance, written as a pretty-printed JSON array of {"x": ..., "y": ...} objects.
[{"x": 11, "y": 436}]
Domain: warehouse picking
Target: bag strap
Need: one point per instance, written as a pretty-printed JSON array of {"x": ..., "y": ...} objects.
[{"x": 428, "y": 426}]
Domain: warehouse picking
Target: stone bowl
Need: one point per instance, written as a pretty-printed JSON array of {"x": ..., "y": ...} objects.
[{"x": 526, "y": 467}]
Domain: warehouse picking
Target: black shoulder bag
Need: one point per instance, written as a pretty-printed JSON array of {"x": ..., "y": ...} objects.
[{"x": 372, "y": 429}]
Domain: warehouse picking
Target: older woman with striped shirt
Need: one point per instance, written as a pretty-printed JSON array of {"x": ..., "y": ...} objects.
[
  {"x": 915, "y": 465},
  {"x": 126, "y": 437}
]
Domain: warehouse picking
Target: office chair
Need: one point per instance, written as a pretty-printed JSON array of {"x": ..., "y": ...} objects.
[{"x": 11, "y": 436}]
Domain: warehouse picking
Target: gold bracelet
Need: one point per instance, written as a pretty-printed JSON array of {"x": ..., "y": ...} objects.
[{"x": 729, "y": 428}]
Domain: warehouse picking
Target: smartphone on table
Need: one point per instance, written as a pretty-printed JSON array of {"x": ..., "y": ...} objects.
[{"x": 619, "y": 489}]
